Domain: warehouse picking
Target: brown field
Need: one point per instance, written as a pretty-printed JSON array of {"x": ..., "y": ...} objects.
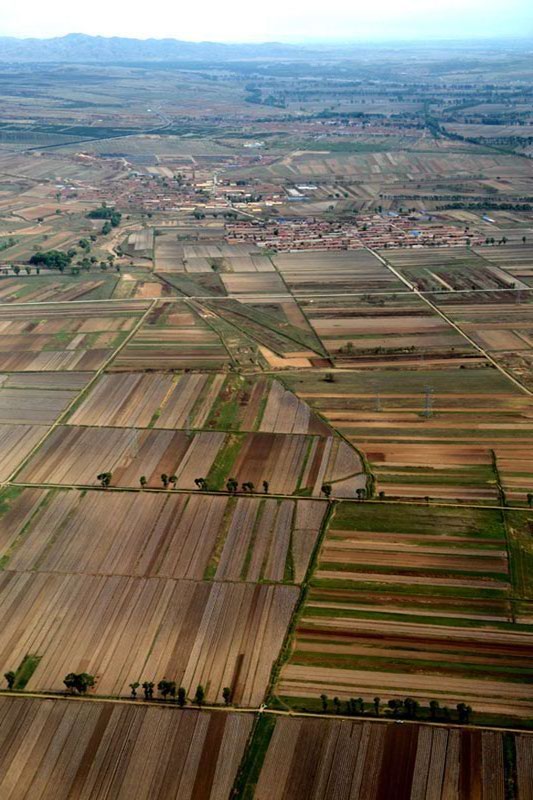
[
  {"x": 75, "y": 456},
  {"x": 154, "y": 535},
  {"x": 16, "y": 441},
  {"x": 297, "y": 462},
  {"x": 33, "y": 407},
  {"x": 173, "y": 337},
  {"x": 34, "y": 290},
  {"x": 57, "y": 339},
  {"x": 502, "y": 325},
  {"x": 355, "y": 271},
  {"x": 450, "y": 269},
  {"x": 448, "y": 452},
  {"x": 93, "y": 751},
  {"x": 196, "y": 401},
  {"x": 124, "y": 629},
  {"x": 369, "y": 329},
  {"x": 311, "y": 759}
]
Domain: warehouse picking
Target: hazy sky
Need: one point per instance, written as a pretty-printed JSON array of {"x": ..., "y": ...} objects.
[{"x": 239, "y": 21}]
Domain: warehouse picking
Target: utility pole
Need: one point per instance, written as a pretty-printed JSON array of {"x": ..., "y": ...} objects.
[{"x": 428, "y": 404}]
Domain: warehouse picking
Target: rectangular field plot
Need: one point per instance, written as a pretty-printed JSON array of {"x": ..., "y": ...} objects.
[
  {"x": 449, "y": 269},
  {"x": 514, "y": 260},
  {"x": 384, "y": 330},
  {"x": 75, "y": 456},
  {"x": 173, "y": 337},
  {"x": 93, "y": 751},
  {"x": 33, "y": 406},
  {"x": 16, "y": 442},
  {"x": 308, "y": 274},
  {"x": 155, "y": 535},
  {"x": 45, "y": 290},
  {"x": 134, "y": 629},
  {"x": 299, "y": 463},
  {"x": 414, "y": 601},
  {"x": 219, "y": 401},
  {"x": 311, "y": 759},
  {"x": 430, "y": 432},
  {"x": 53, "y": 338},
  {"x": 501, "y": 324}
]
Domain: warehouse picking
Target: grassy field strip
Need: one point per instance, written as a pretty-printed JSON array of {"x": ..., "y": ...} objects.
[
  {"x": 87, "y": 388},
  {"x": 453, "y": 325}
]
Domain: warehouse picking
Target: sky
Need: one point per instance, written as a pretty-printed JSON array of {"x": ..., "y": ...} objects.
[{"x": 273, "y": 20}]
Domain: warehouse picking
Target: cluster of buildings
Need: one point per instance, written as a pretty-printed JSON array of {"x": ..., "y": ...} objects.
[{"x": 367, "y": 230}]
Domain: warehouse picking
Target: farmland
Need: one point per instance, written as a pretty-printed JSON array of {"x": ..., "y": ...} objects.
[
  {"x": 175, "y": 337},
  {"x": 178, "y": 536},
  {"x": 54, "y": 339},
  {"x": 266, "y": 423},
  {"x": 199, "y": 400},
  {"x": 345, "y": 759},
  {"x": 104, "y": 750},
  {"x": 403, "y": 595},
  {"x": 291, "y": 464},
  {"x": 429, "y": 431},
  {"x": 137, "y": 629}
]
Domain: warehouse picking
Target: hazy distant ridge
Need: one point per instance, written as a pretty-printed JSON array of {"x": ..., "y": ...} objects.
[{"x": 83, "y": 48}]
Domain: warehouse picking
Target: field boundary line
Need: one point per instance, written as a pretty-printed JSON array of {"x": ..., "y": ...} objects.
[
  {"x": 169, "y": 706},
  {"x": 453, "y": 324},
  {"x": 251, "y": 295},
  {"x": 80, "y": 487},
  {"x": 64, "y": 414}
]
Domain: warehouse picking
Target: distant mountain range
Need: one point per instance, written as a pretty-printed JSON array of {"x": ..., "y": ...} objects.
[{"x": 79, "y": 47}]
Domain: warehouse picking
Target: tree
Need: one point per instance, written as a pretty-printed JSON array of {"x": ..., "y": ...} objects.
[
  {"x": 248, "y": 486},
  {"x": 337, "y": 704},
  {"x": 166, "y": 688},
  {"x": 148, "y": 688},
  {"x": 134, "y": 686},
  {"x": 381, "y": 495},
  {"x": 164, "y": 480},
  {"x": 329, "y": 377},
  {"x": 10, "y": 679},
  {"x": 173, "y": 480},
  {"x": 361, "y": 492},
  {"x": 433, "y": 708},
  {"x": 53, "y": 259},
  {"x": 201, "y": 483},
  {"x": 226, "y": 694},
  {"x": 143, "y": 481},
  {"x": 16, "y": 269},
  {"x": 266, "y": 486},
  {"x": 324, "y": 701},
  {"x": 232, "y": 485},
  {"x": 464, "y": 712},
  {"x": 395, "y": 707},
  {"x": 524, "y": 239},
  {"x": 411, "y": 707},
  {"x": 79, "y": 682},
  {"x": 105, "y": 479},
  {"x": 199, "y": 696},
  {"x": 530, "y": 499},
  {"x": 182, "y": 697},
  {"x": 376, "y": 701},
  {"x": 326, "y": 490}
]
